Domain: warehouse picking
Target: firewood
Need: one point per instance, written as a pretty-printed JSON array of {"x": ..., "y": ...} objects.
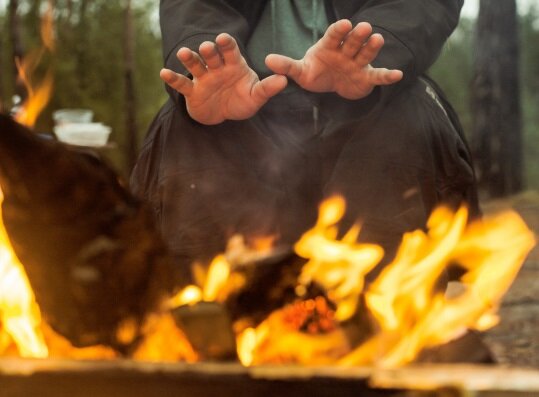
[
  {"x": 270, "y": 284},
  {"x": 208, "y": 327},
  {"x": 91, "y": 250}
]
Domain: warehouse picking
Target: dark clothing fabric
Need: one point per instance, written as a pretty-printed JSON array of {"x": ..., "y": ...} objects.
[
  {"x": 414, "y": 30},
  {"x": 394, "y": 155}
]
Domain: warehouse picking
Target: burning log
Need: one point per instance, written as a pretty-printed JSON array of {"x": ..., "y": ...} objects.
[
  {"x": 91, "y": 251},
  {"x": 270, "y": 284}
]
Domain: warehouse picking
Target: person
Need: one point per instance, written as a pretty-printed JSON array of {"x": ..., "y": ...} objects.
[{"x": 276, "y": 105}]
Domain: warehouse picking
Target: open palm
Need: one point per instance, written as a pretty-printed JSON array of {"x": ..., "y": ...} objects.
[
  {"x": 339, "y": 62},
  {"x": 223, "y": 87}
]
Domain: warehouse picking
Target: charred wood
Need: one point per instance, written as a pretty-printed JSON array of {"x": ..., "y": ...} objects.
[
  {"x": 90, "y": 249},
  {"x": 270, "y": 284}
]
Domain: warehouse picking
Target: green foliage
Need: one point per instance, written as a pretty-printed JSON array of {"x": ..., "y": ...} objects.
[
  {"x": 453, "y": 71},
  {"x": 529, "y": 29},
  {"x": 89, "y": 64},
  {"x": 89, "y": 68}
]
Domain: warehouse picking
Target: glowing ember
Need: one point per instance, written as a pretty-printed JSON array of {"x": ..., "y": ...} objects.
[{"x": 304, "y": 332}]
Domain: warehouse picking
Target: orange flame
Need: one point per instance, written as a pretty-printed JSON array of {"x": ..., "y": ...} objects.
[
  {"x": 337, "y": 265},
  {"x": 38, "y": 94},
  {"x": 19, "y": 313},
  {"x": 303, "y": 333},
  {"x": 412, "y": 315},
  {"x": 214, "y": 286},
  {"x": 164, "y": 342},
  {"x": 409, "y": 312}
]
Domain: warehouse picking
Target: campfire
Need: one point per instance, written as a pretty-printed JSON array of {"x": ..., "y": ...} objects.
[
  {"x": 401, "y": 313},
  {"x": 92, "y": 281}
]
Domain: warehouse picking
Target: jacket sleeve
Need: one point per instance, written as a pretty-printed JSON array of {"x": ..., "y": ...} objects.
[
  {"x": 188, "y": 23},
  {"x": 414, "y": 31}
]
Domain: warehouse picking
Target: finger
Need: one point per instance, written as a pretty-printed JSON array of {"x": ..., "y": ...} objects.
[
  {"x": 192, "y": 61},
  {"x": 335, "y": 34},
  {"x": 228, "y": 47},
  {"x": 382, "y": 76},
  {"x": 280, "y": 64},
  {"x": 370, "y": 50},
  {"x": 210, "y": 55},
  {"x": 267, "y": 88},
  {"x": 177, "y": 81},
  {"x": 355, "y": 40}
]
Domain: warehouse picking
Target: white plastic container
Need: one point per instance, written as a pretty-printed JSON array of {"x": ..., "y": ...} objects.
[
  {"x": 83, "y": 134},
  {"x": 64, "y": 116}
]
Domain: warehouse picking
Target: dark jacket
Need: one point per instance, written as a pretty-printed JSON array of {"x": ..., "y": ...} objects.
[
  {"x": 414, "y": 30},
  {"x": 205, "y": 182}
]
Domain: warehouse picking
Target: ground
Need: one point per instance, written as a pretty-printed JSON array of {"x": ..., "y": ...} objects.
[{"x": 515, "y": 341}]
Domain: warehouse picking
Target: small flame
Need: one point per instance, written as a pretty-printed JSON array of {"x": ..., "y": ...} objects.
[
  {"x": 38, "y": 94},
  {"x": 218, "y": 274},
  {"x": 164, "y": 342},
  {"x": 215, "y": 286}
]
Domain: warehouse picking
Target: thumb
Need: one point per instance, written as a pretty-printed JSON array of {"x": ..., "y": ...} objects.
[
  {"x": 281, "y": 64},
  {"x": 269, "y": 87}
]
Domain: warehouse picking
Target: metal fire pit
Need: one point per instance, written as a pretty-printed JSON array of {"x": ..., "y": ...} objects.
[{"x": 52, "y": 378}]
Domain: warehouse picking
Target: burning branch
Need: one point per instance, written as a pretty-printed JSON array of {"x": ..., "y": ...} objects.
[{"x": 90, "y": 249}]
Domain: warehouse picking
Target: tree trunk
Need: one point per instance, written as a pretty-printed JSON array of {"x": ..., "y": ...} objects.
[
  {"x": 497, "y": 135},
  {"x": 80, "y": 52},
  {"x": 130, "y": 95},
  {"x": 15, "y": 33},
  {"x": 69, "y": 7},
  {"x": 3, "y": 108}
]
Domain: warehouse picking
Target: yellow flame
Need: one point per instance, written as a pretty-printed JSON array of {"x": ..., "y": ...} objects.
[
  {"x": 218, "y": 274},
  {"x": 337, "y": 265},
  {"x": 412, "y": 315},
  {"x": 19, "y": 313},
  {"x": 276, "y": 340},
  {"x": 214, "y": 289},
  {"x": 38, "y": 94},
  {"x": 164, "y": 342},
  {"x": 190, "y": 295},
  {"x": 409, "y": 311},
  {"x": 246, "y": 344}
]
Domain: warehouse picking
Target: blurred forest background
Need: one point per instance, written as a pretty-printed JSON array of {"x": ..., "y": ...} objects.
[{"x": 108, "y": 56}]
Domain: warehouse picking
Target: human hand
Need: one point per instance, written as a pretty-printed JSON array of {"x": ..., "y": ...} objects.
[
  {"x": 223, "y": 87},
  {"x": 339, "y": 62}
]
